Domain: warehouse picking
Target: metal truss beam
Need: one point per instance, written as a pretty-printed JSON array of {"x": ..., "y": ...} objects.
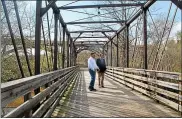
[
  {"x": 79, "y": 49},
  {"x": 138, "y": 13},
  {"x": 101, "y": 5},
  {"x": 89, "y": 41},
  {"x": 95, "y": 22},
  {"x": 55, "y": 41},
  {"x": 88, "y": 44},
  {"x": 90, "y": 37},
  {"x": 37, "y": 38},
  {"x": 56, "y": 10},
  {"x": 178, "y": 3},
  {"x": 44, "y": 10},
  {"x": 77, "y": 37},
  {"x": 93, "y": 31},
  {"x": 145, "y": 63},
  {"x": 109, "y": 38}
]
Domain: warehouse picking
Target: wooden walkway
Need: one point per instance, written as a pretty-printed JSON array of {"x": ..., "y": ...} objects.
[{"x": 115, "y": 100}]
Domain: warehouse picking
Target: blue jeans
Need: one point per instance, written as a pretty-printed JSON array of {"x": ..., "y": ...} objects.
[{"x": 92, "y": 74}]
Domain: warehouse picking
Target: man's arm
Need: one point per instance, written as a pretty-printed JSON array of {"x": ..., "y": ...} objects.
[{"x": 95, "y": 65}]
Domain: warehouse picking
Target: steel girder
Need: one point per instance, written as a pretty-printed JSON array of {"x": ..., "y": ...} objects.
[{"x": 101, "y": 5}]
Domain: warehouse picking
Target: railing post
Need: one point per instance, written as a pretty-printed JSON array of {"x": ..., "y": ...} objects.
[
  {"x": 28, "y": 113},
  {"x": 55, "y": 40},
  {"x": 145, "y": 65}
]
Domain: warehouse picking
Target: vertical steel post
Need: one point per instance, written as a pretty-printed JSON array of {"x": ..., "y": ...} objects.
[
  {"x": 60, "y": 46},
  {"x": 37, "y": 43},
  {"x": 111, "y": 55},
  {"x": 68, "y": 39},
  {"x": 117, "y": 51},
  {"x": 127, "y": 46},
  {"x": 107, "y": 55},
  {"x": 63, "y": 47},
  {"x": 71, "y": 50},
  {"x": 145, "y": 65},
  {"x": 55, "y": 40},
  {"x": 37, "y": 36},
  {"x": 74, "y": 56}
]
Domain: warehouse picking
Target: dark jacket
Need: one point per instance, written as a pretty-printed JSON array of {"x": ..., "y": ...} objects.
[{"x": 101, "y": 65}]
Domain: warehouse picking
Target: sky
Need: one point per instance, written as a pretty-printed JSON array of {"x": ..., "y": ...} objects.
[{"x": 158, "y": 7}]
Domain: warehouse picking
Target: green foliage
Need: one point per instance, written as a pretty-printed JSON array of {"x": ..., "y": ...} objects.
[
  {"x": 179, "y": 35},
  {"x": 10, "y": 69}
]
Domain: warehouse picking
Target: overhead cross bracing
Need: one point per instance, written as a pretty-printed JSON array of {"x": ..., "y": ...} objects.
[
  {"x": 94, "y": 22},
  {"x": 86, "y": 41},
  {"x": 92, "y": 31},
  {"x": 101, "y": 6},
  {"x": 90, "y": 37}
]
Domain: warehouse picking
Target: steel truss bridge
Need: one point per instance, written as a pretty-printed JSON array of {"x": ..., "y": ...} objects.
[{"x": 63, "y": 90}]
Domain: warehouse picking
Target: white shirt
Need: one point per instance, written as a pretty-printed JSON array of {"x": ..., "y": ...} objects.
[{"x": 92, "y": 64}]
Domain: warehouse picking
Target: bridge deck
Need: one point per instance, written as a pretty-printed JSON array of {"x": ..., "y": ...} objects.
[{"x": 115, "y": 100}]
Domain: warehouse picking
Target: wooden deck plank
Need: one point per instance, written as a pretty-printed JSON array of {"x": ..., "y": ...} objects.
[{"x": 115, "y": 100}]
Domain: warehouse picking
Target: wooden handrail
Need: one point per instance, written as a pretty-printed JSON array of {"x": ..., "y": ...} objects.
[
  {"x": 160, "y": 85},
  {"x": 14, "y": 89}
]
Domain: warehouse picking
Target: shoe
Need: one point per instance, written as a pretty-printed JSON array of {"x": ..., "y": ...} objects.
[
  {"x": 92, "y": 89},
  {"x": 89, "y": 87},
  {"x": 103, "y": 87}
]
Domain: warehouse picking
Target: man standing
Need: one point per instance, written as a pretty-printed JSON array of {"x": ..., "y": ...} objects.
[
  {"x": 92, "y": 66},
  {"x": 102, "y": 66}
]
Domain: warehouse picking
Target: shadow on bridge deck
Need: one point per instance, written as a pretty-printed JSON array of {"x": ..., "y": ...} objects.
[{"x": 115, "y": 100}]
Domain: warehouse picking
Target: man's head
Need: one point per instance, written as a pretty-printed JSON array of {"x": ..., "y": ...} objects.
[
  {"x": 92, "y": 54},
  {"x": 101, "y": 55}
]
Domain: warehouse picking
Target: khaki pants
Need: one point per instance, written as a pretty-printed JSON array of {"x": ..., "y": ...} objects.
[{"x": 101, "y": 79}]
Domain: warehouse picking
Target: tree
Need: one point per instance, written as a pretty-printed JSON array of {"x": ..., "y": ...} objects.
[{"x": 179, "y": 35}]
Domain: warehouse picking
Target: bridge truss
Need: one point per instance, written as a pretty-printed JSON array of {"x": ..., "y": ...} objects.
[{"x": 118, "y": 45}]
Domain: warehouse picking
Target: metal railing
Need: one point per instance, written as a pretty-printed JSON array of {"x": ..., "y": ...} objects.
[
  {"x": 165, "y": 87},
  {"x": 56, "y": 81}
]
